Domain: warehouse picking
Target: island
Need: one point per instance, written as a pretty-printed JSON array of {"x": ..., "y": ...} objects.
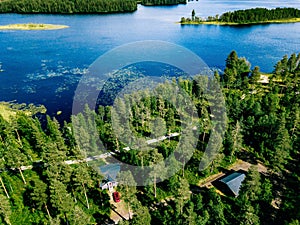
[
  {"x": 32, "y": 26},
  {"x": 162, "y": 2},
  {"x": 67, "y": 6},
  {"x": 79, "y": 6},
  {"x": 247, "y": 17}
]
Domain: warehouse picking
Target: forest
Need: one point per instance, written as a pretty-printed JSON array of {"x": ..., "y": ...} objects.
[
  {"x": 247, "y": 16},
  {"x": 67, "y": 6},
  {"x": 263, "y": 125},
  {"x": 259, "y": 15},
  {"x": 77, "y": 6}
]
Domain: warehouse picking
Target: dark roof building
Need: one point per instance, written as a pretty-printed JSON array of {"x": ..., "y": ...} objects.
[
  {"x": 233, "y": 182},
  {"x": 110, "y": 171}
]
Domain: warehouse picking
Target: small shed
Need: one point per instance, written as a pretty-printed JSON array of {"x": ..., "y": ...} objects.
[
  {"x": 110, "y": 173},
  {"x": 233, "y": 182}
]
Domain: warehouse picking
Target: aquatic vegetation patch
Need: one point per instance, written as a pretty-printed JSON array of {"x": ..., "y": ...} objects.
[{"x": 32, "y": 26}]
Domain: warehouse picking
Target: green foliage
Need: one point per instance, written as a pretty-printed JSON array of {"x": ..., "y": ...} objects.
[
  {"x": 39, "y": 194},
  {"x": 142, "y": 216},
  {"x": 5, "y": 209},
  {"x": 247, "y": 16},
  {"x": 181, "y": 192},
  {"x": 259, "y": 15},
  {"x": 236, "y": 70},
  {"x": 255, "y": 74},
  {"x": 251, "y": 185},
  {"x": 127, "y": 186},
  {"x": 294, "y": 222},
  {"x": 48, "y": 195},
  {"x": 60, "y": 198},
  {"x": 263, "y": 124},
  {"x": 79, "y": 217},
  {"x": 67, "y": 7}
]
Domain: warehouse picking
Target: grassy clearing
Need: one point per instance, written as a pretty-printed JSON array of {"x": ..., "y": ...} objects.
[
  {"x": 5, "y": 111},
  {"x": 292, "y": 20},
  {"x": 10, "y": 109},
  {"x": 32, "y": 26}
]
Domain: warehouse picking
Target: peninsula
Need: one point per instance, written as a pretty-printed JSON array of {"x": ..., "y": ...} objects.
[
  {"x": 247, "y": 17},
  {"x": 53, "y": 173}
]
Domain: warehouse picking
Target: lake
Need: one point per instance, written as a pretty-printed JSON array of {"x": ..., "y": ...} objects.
[{"x": 44, "y": 67}]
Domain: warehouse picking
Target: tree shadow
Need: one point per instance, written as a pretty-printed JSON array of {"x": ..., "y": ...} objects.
[
  {"x": 102, "y": 219},
  {"x": 113, "y": 209},
  {"x": 247, "y": 157}
]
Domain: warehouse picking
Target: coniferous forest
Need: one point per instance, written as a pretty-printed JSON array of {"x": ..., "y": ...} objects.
[
  {"x": 247, "y": 16},
  {"x": 67, "y": 7},
  {"x": 78, "y": 6},
  {"x": 259, "y": 15},
  {"x": 37, "y": 186}
]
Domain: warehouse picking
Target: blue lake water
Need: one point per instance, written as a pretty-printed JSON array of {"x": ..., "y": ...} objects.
[{"x": 43, "y": 67}]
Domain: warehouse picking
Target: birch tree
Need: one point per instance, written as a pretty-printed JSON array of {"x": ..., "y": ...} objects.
[
  {"x": 5, "y": 209},
  {"x": 127, "y": 187}
]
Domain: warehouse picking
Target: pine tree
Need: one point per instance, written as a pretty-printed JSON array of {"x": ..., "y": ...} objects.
[
  {"x": 127, "y": 187},
  {"x": 82, "y": 179},
  {"x": 248, "y": 214},
  {"x": 237, "y": 139},
  {"x": 193, "y": 15},
  {"x": 282, "y": 147},
  {"x": 251, "y": 189},
  {"x": 40, "y": 197},
  {"x": 158, "y": 170},
  {"x": 216, "y": 209},
  {"x": 190, "y": 217},
  {"x": 181, "y": 193},
  {"x": 142, "y": 215},
  {"x": 186, "y": 148},
  {"x": 2, "y": 167},
  {"x": 14, "y": 157},
  {"x": 295, "y": 130},
  {"x": 232, "y": 60},
  {"x": 79, "y": 217},
  {"x": 255, "y": 75},
  {"x": 61, "y": 199}
]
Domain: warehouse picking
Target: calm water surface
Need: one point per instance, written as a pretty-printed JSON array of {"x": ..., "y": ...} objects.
[{"x": 44, "y": 67}]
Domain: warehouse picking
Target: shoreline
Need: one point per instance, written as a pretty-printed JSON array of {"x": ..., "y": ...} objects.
[
  {"x": 292, "y": 20},
  {"x": 32, "y": 26}
]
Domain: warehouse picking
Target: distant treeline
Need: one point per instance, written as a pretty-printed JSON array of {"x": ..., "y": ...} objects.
[
  {"x": 163, "y": 2},
  {"x": 67, "y": 6},
  {"x": 259, "y": 15}
]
